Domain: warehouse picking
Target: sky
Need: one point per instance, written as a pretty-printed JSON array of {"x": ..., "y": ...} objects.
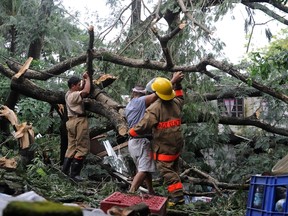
[{"x": 231, "y": 31}]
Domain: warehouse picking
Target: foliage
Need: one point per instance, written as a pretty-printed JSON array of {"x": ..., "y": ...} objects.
[
  {"x": 37, "y": 113},
  {"x": 271, "y": 64},
  {"x": 59, "y": 188},
  {"x": 5, "y": 88},
  {"x": 63, "y": 36},
  {"x": 205, "y": 145}
]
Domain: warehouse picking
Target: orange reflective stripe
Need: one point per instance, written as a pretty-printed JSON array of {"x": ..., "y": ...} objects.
[
  {"x": 132, "y": 132},
  {"x": 168, "y": 124},
  {"x": 179, "y": 93},
  {"x": 174, "y": 187},
  {"x": 164, "y": 157}
]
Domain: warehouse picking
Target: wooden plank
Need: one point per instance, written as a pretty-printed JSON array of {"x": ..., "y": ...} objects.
[{"x": 24, "y": 68}]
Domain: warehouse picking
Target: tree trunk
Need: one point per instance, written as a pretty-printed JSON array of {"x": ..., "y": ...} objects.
[
  {"x": 35, "y": 48},
  {"x": 136, "y": 11},
  {"x": 13, "y": 33}
]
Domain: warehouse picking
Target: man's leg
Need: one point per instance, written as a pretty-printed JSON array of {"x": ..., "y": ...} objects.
[
  {"x": 148, "y": 181},
  {"x": 66, "y": 165},
  {"x": 137, "y": 181},
  {"x": 76, "y": 167}
]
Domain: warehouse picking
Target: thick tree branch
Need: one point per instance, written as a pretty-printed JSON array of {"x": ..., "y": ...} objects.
[
  {"x": 89, "y": 60},
  {"x": 209, "y": 178},
  {"x": 55, "y": 70},
  {"x": 156, "y": 65},
  {"x": 164, "y": 43},
  {"x": 222, "y": 185},
  {"x": 206, "y": 179},
  {"x": 117, "y": 120},
  {"x": 249, "y": 121},
  {"x": 233, "y": 72},
  {"x": 211, "y": 75},
  {"x": 267, "y": 11},
  {"x": 219, "y": 94},
  {"x": 28, "y": 88}
]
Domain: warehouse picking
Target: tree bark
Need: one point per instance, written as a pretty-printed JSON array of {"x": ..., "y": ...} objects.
[
  {"x": 136, "y": 12},
  {"x": 36, "y": 45}
]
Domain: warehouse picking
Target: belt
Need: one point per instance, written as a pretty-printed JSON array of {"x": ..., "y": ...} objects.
[
  {"x": 77, "y": 116},
  {"x": 147, "y": 136},
  {"x": 130, "y": 138}
]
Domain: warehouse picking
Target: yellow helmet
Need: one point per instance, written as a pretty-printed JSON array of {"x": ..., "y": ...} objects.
[{"x": 163, "y": 88}]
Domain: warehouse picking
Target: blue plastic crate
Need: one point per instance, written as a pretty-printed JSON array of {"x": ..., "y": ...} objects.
[{"x": 271, "y": 189}]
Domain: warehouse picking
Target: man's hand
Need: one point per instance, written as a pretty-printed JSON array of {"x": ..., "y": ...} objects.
[
  {"x": 86, "y": 85},
  {"x": 177, "y": 77},
  {"x": 85, "y": 75}
]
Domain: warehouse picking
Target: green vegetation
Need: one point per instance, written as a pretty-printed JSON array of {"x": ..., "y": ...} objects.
[
  {"x": 40, "y": 208},
  {"x": 135, "y": 57}
]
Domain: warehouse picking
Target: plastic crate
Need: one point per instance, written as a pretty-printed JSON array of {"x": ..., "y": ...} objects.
[
  {"x": 156, "y": 204},
  {"x": 272, "y": 188}
]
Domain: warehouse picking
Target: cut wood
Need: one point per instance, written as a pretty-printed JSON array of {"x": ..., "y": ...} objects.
[{"x": 24, "y": 68}]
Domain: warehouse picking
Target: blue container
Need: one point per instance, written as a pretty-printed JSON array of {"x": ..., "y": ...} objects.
[{"x": 264, "y": 193}]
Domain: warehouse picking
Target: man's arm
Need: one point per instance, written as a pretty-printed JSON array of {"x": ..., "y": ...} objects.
[
  {"x": 149, "y": 99},
  {"x": 177, "y": 87}
]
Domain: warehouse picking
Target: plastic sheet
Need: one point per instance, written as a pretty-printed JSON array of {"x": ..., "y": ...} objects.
[{"x": 114, "y": 160}]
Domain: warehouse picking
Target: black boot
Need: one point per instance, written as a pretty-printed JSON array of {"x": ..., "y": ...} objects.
[
  {"x": 66, "y": 165},
  {"x": 76, "y": 168}
]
